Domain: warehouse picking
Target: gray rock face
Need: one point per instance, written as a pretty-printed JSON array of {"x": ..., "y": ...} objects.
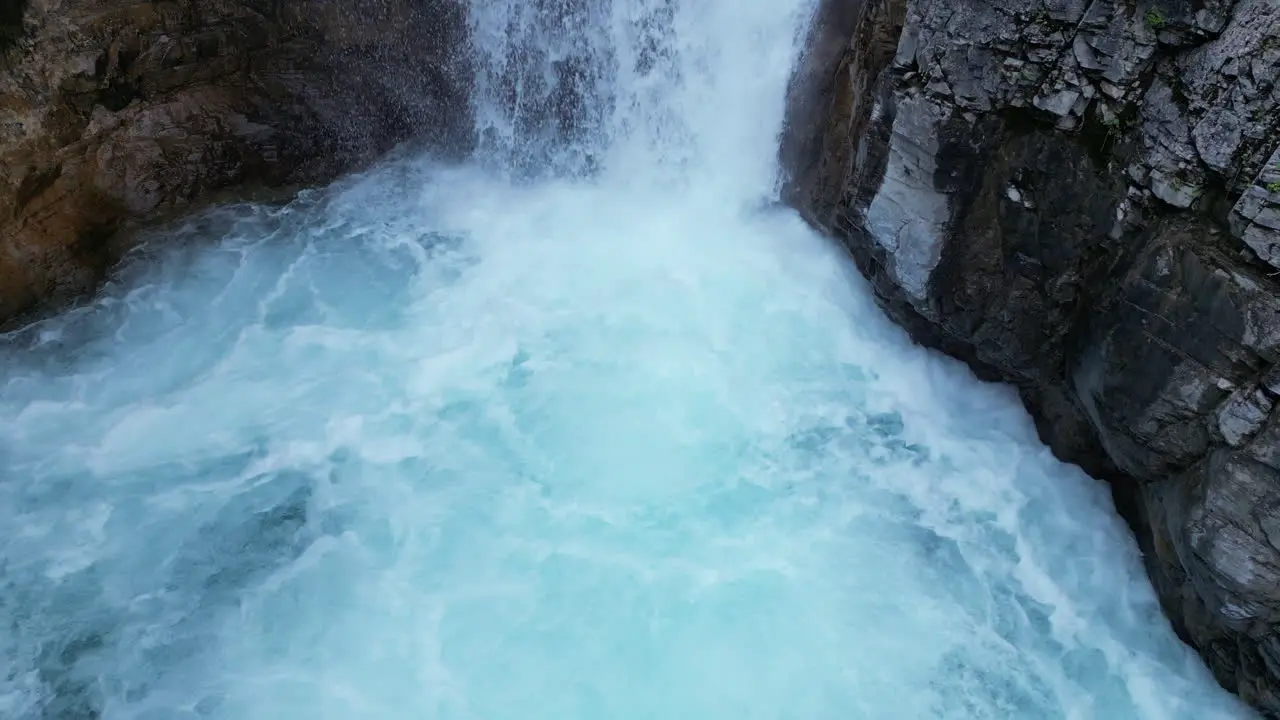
[
  {"x": 907, "y": 216},
  {"x": 1083, "y": 199},
  {"x": 113, "y": 110},
  {"x": 1256, "y": 216}
]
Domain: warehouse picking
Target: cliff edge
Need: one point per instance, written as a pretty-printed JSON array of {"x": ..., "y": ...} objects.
[{"x": 1082, "y": 198}]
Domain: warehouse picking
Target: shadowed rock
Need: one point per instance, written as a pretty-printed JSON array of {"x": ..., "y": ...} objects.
[
  {"x": 114, "y": 110},
  {"x": 1082, "y": 199}
]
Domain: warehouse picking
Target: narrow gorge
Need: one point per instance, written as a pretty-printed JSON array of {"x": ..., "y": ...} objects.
[{"x": 580, "y": 359}]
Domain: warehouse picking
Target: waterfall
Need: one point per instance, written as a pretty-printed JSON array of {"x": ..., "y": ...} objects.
[
  {"x": 583, "y": 429},
  {"x": 641, "y": 90}
]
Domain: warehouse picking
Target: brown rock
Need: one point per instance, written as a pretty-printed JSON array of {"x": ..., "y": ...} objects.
[{"x": 114, "y": 110}]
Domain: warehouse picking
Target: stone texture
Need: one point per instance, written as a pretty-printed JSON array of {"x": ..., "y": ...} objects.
[
  {"x": 114, "y": 110},
  {"x": 1218, "y": 524},
  {"x": 1083, "y": 199},
  {"x": 1255, "y": 219}
]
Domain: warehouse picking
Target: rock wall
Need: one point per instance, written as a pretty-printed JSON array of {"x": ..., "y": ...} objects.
[
  {"x": 1082, "y": 198},
  {"x": 11, "y": 13},
  {"x": 113, "y": 110}
]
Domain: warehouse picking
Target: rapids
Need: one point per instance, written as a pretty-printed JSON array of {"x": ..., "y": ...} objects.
[{"x": 588, "y": 429}]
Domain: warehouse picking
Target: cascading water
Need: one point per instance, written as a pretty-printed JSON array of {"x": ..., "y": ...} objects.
[{"x": 584, "y": 431}]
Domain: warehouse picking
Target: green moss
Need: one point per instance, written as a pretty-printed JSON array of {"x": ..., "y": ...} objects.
[
  {"x": 11, "y": 12},
  {"x": 1115, "y": 123},
  {"x": 1273, "y": 186},
  {"x": 1155, "y": 18}
]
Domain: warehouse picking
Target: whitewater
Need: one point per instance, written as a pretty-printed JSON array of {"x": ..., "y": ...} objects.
[{"x": 589, "y": 428}]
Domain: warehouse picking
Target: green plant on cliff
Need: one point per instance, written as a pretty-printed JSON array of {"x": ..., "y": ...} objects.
[
  {"x": 1115, "y": 130},
  {"x": 1273, "y": 186},
  {"x": 1155, "y": 18},
  {"x": 11, "y": 12}
]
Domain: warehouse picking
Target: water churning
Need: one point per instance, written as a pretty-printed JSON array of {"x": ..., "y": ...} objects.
[{"x": 585, "y": 430}]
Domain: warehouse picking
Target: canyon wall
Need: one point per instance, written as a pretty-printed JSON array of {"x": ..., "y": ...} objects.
[
  {"x": 1082, "y": 198},
  {"x": 116, "y": 110},
  {"x": 1079, "y": 197}
]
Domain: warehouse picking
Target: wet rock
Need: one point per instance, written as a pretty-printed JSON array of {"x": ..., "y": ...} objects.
[
  {"x": 1077, "y": 198},
  {"x": 114, "y": 110},
  {"x": 907, "y": 216},
  {"x": 1219, "y": 526},
  {"x": 1242, "y": 415},
  {"x": 1255, "y": 219}
]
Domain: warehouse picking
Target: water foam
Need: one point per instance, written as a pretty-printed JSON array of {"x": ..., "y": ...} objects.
[{"x": 458, "y": 443}]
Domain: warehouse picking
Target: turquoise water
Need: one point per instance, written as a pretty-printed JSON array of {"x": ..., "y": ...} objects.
[{"x": 613, "y": 440}]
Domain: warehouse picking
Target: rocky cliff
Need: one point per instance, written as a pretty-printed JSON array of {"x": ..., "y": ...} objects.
[
  {"x": 114, "y": 110},
  {"x": 1082, "y": 198}
]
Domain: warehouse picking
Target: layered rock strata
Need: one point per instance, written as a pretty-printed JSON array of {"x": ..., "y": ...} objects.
[{"x": 1082, "y": 198}]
